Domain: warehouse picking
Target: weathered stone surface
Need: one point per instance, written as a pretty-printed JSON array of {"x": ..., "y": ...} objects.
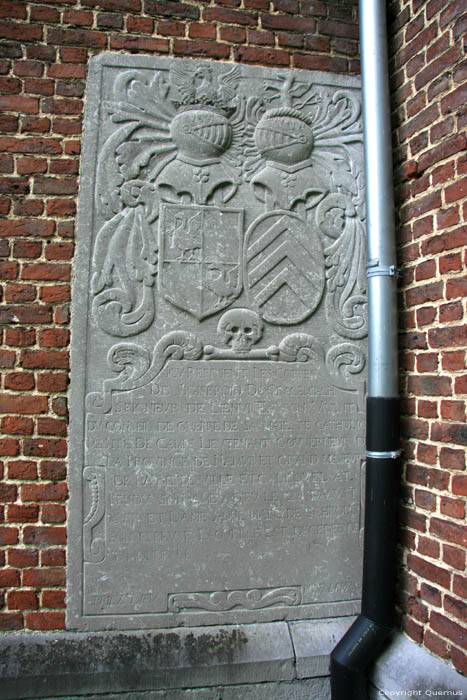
[
  {"x": 218, "y": 347},
  {"x": 57, "y": 665},
  {"x": 406, "y": 667},
  {"x": 316, "y": 689},
  {"x": 313, "y": 643}
]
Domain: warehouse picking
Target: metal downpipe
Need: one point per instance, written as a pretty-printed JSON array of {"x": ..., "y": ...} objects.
[{"x": 363, "y": 641}]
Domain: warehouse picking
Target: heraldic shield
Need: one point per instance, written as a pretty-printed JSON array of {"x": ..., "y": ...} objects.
[{"x": 200, "y": 252}]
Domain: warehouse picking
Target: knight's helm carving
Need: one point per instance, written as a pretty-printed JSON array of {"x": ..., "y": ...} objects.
[
  {"x": 240, "y": 328},
  {"x": 284, "y": 135}
]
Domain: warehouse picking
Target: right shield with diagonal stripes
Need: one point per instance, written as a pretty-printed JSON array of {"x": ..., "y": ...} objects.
[{"x": 285, "y": 271}]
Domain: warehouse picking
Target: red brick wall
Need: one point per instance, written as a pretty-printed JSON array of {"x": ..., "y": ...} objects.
[
  {"x": 430, "y": 99},
  {"x": 45, "y": 50}
]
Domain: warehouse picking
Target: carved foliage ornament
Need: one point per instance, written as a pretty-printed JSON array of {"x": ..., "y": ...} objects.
[{"x": 215, "y": 193}]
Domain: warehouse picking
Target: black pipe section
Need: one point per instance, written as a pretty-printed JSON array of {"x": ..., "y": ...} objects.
[{"x": 363, "y": 641}]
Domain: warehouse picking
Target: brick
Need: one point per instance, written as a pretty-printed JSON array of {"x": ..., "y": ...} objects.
[
  {"x": 202, "y": 31},
  {"x": 452, "y": 507},
  {"x": 22, "y": 469},
  {"x": 46, "y": 15},
  {"x": 413, "y": 630},
  {"x": 21, "y": 32},
  {"x": 27, "y": 227},
  {"x": 430, "y": 385},
  {"x": 446, "y": 149},
  {"x": 60, "y": 406},
  {"x": 55, "y": 293},
  {"x": 447, "y": 217},
  {"x": 10, "y": 86},
  {"x": 53, "y": 471},
  {"x": 53, "y": 513},
  {"x": 459, "y": 586},
  {"x": 459, "y": 485},
  {"x": 19, "y": 381},
  {"x": 170, "y": 28},
  {"x": 59, "y": 251},
  {"x": 459, "y": 660},
  {"x": 61, "y": 207},
  {"x": 23, "y": 558},
  {"x": 45, "y": 620},
  {"x": 11, "y": 621},
  {"x": 53, "y": 599},
  {"x": 29, "y": 207},
  {"x": 11, "y": 50},
  {"x": 435, "y": 644},
  {"x": 8, "y": 493},
  {"x": 80, "y": 18},
  {"x": 35, "y": 125},
  {"x": 454, "y": 556},
  {"x": 44, "y": 535},
  {"x": 427, "y": 362},
  {"x": 453, "y": 361},
  {"x": 10, "y": 403},
  {"x": 43, "y": 447},
  {"x": 51, "y": 426},
  {"x": 325, "y": 63},
  {"x": 427, "y": 409},
  {"x": 52, "y": 382},
  {"x": 9, "y": 577},
  {"x": 21, "y": 337},
  {"x": 341, "y": 29},
  {"x": 23, "y": 513},
  {"x": 53, "y": 557},
  {"x": 426, "y": 546},
  {"x": 445, "y": 530},
  {"x": 46, "y": 271},
  {"x": 19, "y": 103},
  {"x": 448, "y": 628},
  {"x": 139, "y": 43},
  {"x": 45, "y": 359},
  {"x": 446, "y": 337},
  {"x": 453, "y": 410},
  {"x": 26, "y": 314},
  {"x": 423, "y": 118},
  {"x": 8, "y": 535},
  {"x": 412, "y": 519},
  {"x": 236, "y": 35},
  {"x": 70, "y": 88},
  {"x": 17, "y": 425},
  {"x": 22, "y": 600},
  {"x": 9, "y": 447},
  {"x": 156, "y": 8},
  {"x": 456, "y": 191},
  {"x": 430, "y": 594},
  {"x": 261, "y": 38},
  {"x": 77, "y": 37},
  {"x": 44, "y": 492},
  {"x": 430, "y": 571},
  {"x": 140, "y": 25},
  {"x": 13, "y": 10}
]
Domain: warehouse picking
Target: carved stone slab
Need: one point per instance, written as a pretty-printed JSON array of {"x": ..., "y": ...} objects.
[{"x": 218, "y": 361}]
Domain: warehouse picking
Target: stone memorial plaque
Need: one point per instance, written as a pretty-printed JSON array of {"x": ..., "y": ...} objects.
[{"x": 219, "y": 347}]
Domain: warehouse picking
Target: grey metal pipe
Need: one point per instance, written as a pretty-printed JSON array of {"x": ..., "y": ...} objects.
[
  {"x": 363, "y": 641},
  {"x": 382, "y": 292}
]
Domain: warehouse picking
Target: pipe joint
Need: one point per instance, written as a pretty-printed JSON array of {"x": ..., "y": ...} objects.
[{"x": 375, "y": 269}]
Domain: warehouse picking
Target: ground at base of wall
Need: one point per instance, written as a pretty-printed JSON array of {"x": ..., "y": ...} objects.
[{"x": 310, "y": 689}]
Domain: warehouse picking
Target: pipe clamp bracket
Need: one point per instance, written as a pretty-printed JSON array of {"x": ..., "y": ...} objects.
[
  {"x": 374, "y": 269},
  {"x": 393, "y": 454}
]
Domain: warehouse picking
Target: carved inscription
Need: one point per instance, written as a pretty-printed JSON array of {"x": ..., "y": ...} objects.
[
  {"x": 218, "y": 368},
  {"x": 214, "y": 469}
]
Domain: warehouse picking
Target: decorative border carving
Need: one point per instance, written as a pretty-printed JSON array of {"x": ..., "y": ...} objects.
[
  {"x": 136, "y": 367},
  {"x": 220, "y": 601},
  {"x": 94, "y": 547}
]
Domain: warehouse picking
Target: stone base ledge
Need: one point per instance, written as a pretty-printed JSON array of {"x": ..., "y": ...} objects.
[
  {"x": 70, "y": 664},
  {"x": 405, "y": 670}
]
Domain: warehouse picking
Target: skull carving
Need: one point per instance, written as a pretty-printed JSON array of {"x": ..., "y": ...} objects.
[{"x": 240, "y": 328}]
